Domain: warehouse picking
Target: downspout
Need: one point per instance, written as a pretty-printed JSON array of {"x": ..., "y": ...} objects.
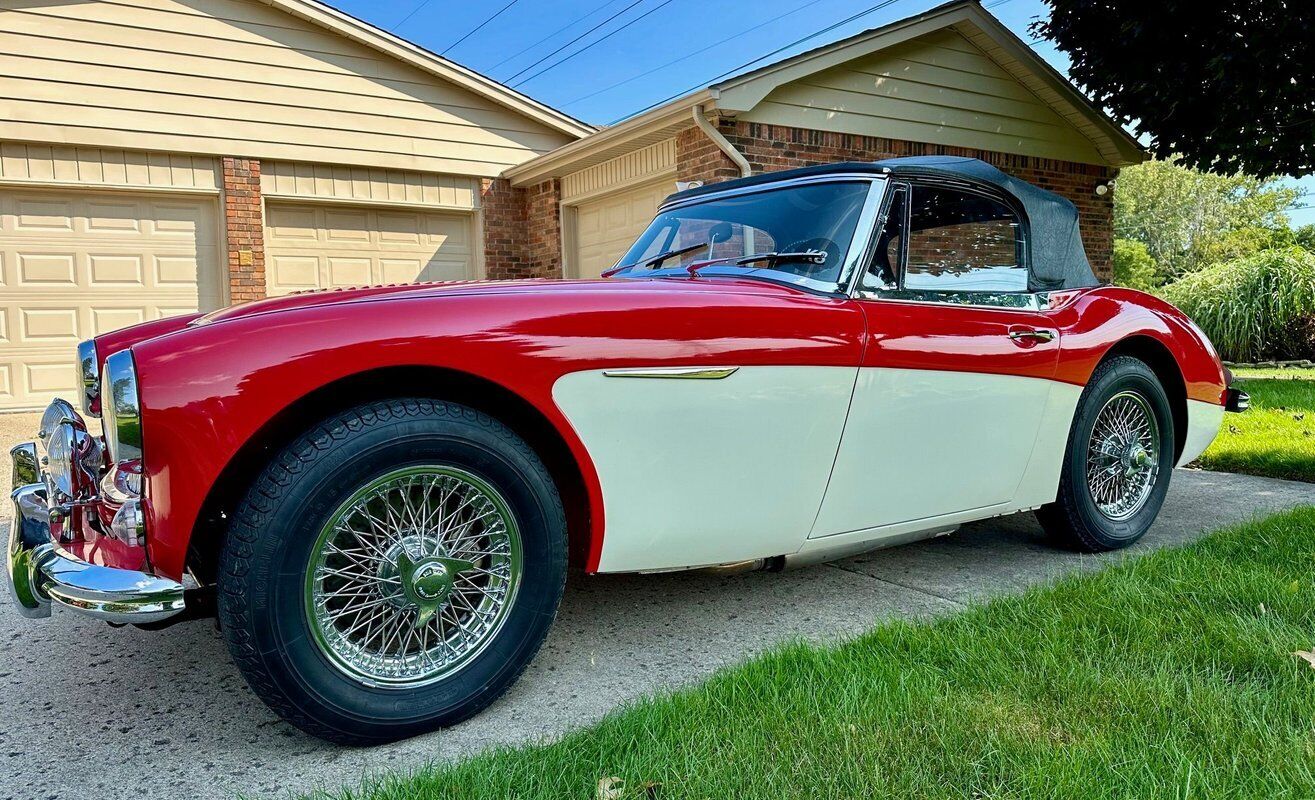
[
  {"x": 725, "y": 146},
  {"x": 734, "y": 155}
]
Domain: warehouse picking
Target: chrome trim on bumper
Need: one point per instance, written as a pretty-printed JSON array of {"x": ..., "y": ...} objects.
[{"x": 39, "y": 573}]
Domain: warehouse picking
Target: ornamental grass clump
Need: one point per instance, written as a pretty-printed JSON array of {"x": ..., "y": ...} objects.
[{"x": 1255, "y": 308}]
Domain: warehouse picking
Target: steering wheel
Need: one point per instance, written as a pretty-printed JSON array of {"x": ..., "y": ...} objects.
[{"x": 821, "y": 243}]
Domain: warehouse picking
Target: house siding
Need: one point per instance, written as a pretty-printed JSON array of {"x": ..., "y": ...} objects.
[
  {"x": 939, "y": 88},
  {"x": 233, "y": 77}
]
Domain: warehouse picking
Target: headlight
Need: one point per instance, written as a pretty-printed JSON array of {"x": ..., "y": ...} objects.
[
  {"x": 61, "y": 448},
  {"x": 73, "y": 456},
  {"x": 88, "y": 378},
  {"x": 121, "y": 412}
]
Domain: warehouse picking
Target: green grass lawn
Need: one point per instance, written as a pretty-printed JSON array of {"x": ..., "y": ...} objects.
[
  {"x": 1169, "y": 676},
  {"x": 1276, "y": 438}
]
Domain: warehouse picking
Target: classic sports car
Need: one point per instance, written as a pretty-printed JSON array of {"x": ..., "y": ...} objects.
[{"x": 376, "y": 490}]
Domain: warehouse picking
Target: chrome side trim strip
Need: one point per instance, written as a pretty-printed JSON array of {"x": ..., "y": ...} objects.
[{"x": 694, "y": 373}]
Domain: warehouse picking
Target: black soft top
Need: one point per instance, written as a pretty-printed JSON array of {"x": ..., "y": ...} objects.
[{"x": 1057, "y": 257}]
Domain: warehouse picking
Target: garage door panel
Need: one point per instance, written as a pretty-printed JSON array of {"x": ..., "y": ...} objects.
[
  {"x": 443, "y": 271},
  {"x": 176, "y": 271},
  {"x": 115, "y": 269},
  {"x": 607, "y": 226},
  {"x": 43, "y": 216},
  {"x": 346, "y": 226},
  {"x": 321, "y": 247},
  {"x": 178, "y": 221},
  {"x": 104, "y": 320},
  {"x": 47, "y": 269},
  {"x": 291, "y": 273},
  {"x": 49, "y": 325},
  {"x": 114, "y": 219},
  {"x": 290, "y": 223},
  {"x": 349, "y": 271},
  {"x": 79, "y": 264}
]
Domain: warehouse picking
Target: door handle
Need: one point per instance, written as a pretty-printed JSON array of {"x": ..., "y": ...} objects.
[{"x": 1029, "y": 335}]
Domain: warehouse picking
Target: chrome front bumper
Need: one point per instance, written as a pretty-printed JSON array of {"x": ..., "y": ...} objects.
[{"x": 39, "y": 573}]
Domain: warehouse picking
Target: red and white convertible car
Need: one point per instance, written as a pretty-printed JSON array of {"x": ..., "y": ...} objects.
[{"x": 377, "y": 489}]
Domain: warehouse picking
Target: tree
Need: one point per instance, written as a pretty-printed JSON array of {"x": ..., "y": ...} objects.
[
  {"x": 1305, "y": 236},
  {"x": 1229, "y": 85},
  {"x": 1188, "y": 218},
  {"x": 1133, "y": 266}
]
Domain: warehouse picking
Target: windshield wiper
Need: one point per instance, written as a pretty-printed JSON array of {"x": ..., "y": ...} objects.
[
  {"x": 805, "y": 257},
  {"x": 656, "y": 261}
]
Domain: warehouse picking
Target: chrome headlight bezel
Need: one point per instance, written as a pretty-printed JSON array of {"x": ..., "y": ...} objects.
[
  {"x": 121, "y": 412},
  {"x": 88, "y": 378}
]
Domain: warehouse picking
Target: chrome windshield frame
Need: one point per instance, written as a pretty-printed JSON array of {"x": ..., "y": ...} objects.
[{"x": 855, "y": 255}]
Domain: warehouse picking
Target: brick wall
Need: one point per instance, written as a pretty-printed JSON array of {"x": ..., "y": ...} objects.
[
  {"x": 244, "y": 230},
  {"x": 503, "y": 210},
  {"x": 770, "y": 148},
  {"x": 543, "y": 233},
  {"x": 522, "y": 230}
]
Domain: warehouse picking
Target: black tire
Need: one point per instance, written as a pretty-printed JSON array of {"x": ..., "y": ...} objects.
[
  {"x": 1074, "y": 520},
  {"x": 263, "y": 606}
]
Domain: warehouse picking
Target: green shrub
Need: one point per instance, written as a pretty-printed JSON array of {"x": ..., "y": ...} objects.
[
  {"x": 1133, "y": 266},
  {"x": 1254, "y": 308}
]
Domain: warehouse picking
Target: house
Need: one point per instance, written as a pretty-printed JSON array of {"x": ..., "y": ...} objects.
[
  {"x": 158, "y": 156},
  {"x": 949, "y": 81}
]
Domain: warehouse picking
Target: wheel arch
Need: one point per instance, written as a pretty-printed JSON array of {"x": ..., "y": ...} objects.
[
  {"x": 1156, "y": 355},
  {"x": 438, "y": 383}
]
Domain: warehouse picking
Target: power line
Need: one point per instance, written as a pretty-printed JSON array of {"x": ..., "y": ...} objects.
[
  {"x": 594, "y": 43},
  {"x": 551, "y": 35},
  {"x": 573, "y": 41},
  {"x": 688, "y": 56},
  {"x": 496, "y": 14},
  {"x": 414, "y": 11},
  {"x": 777, "y": 51}
]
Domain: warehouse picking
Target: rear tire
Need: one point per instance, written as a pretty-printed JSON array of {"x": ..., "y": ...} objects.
[
  {"x": 392, "y": 571},
  {"x": 1117, "y": 462}
]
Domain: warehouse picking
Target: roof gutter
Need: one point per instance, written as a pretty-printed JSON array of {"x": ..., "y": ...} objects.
[{"x": 725, "y": 146}]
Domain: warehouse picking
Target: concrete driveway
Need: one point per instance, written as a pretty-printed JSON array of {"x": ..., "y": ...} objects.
[{"x": 93, "y": 712}]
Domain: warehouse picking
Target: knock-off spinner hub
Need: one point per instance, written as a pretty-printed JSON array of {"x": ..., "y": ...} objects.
[{"x": 427, "y": 582}]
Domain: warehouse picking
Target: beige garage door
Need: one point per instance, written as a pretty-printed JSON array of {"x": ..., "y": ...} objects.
[
  {"x": 605, "y": 227},
  {"x": 312, "y": 246},
  {"x": 77, "y": 264}
]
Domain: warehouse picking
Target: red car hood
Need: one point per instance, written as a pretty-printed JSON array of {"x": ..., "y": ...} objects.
[{"x": 465, "y": 288}]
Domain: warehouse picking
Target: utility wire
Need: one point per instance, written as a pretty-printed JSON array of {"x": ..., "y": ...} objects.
[
  {"x": 594, "y": 43},
  {"x": 496, "y": 14},
  {"x": 573, "y": 41},
  {"x": 551, "y": 35},
  {"x": 688, "y": 56},
  {"x": 414, "y": 11},
  {"x": 777, "y": 51}
]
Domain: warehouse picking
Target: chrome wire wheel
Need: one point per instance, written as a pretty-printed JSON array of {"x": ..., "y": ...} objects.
[
  {"x": 1123, "y": 456},
  {"x": 413, "y": 576}
]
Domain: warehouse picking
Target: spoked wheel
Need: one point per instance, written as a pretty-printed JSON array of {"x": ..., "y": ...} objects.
[
  {"x": 1118, "y": 460},
  {"x": 393, "y": 570},
  {"x": 413, "y": 575},
  {"x": 1122, "y": 456}
]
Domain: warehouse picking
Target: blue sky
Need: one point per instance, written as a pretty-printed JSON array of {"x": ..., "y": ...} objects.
[{"x": 661, "y": 48}]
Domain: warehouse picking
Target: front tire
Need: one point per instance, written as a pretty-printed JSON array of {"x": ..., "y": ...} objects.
[
  {"x": 393, "y": 570},
  {"x": 1117, "y": 463}
]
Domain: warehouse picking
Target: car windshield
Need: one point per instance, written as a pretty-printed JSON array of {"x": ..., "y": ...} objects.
[{"x": 796, "y": 234}]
